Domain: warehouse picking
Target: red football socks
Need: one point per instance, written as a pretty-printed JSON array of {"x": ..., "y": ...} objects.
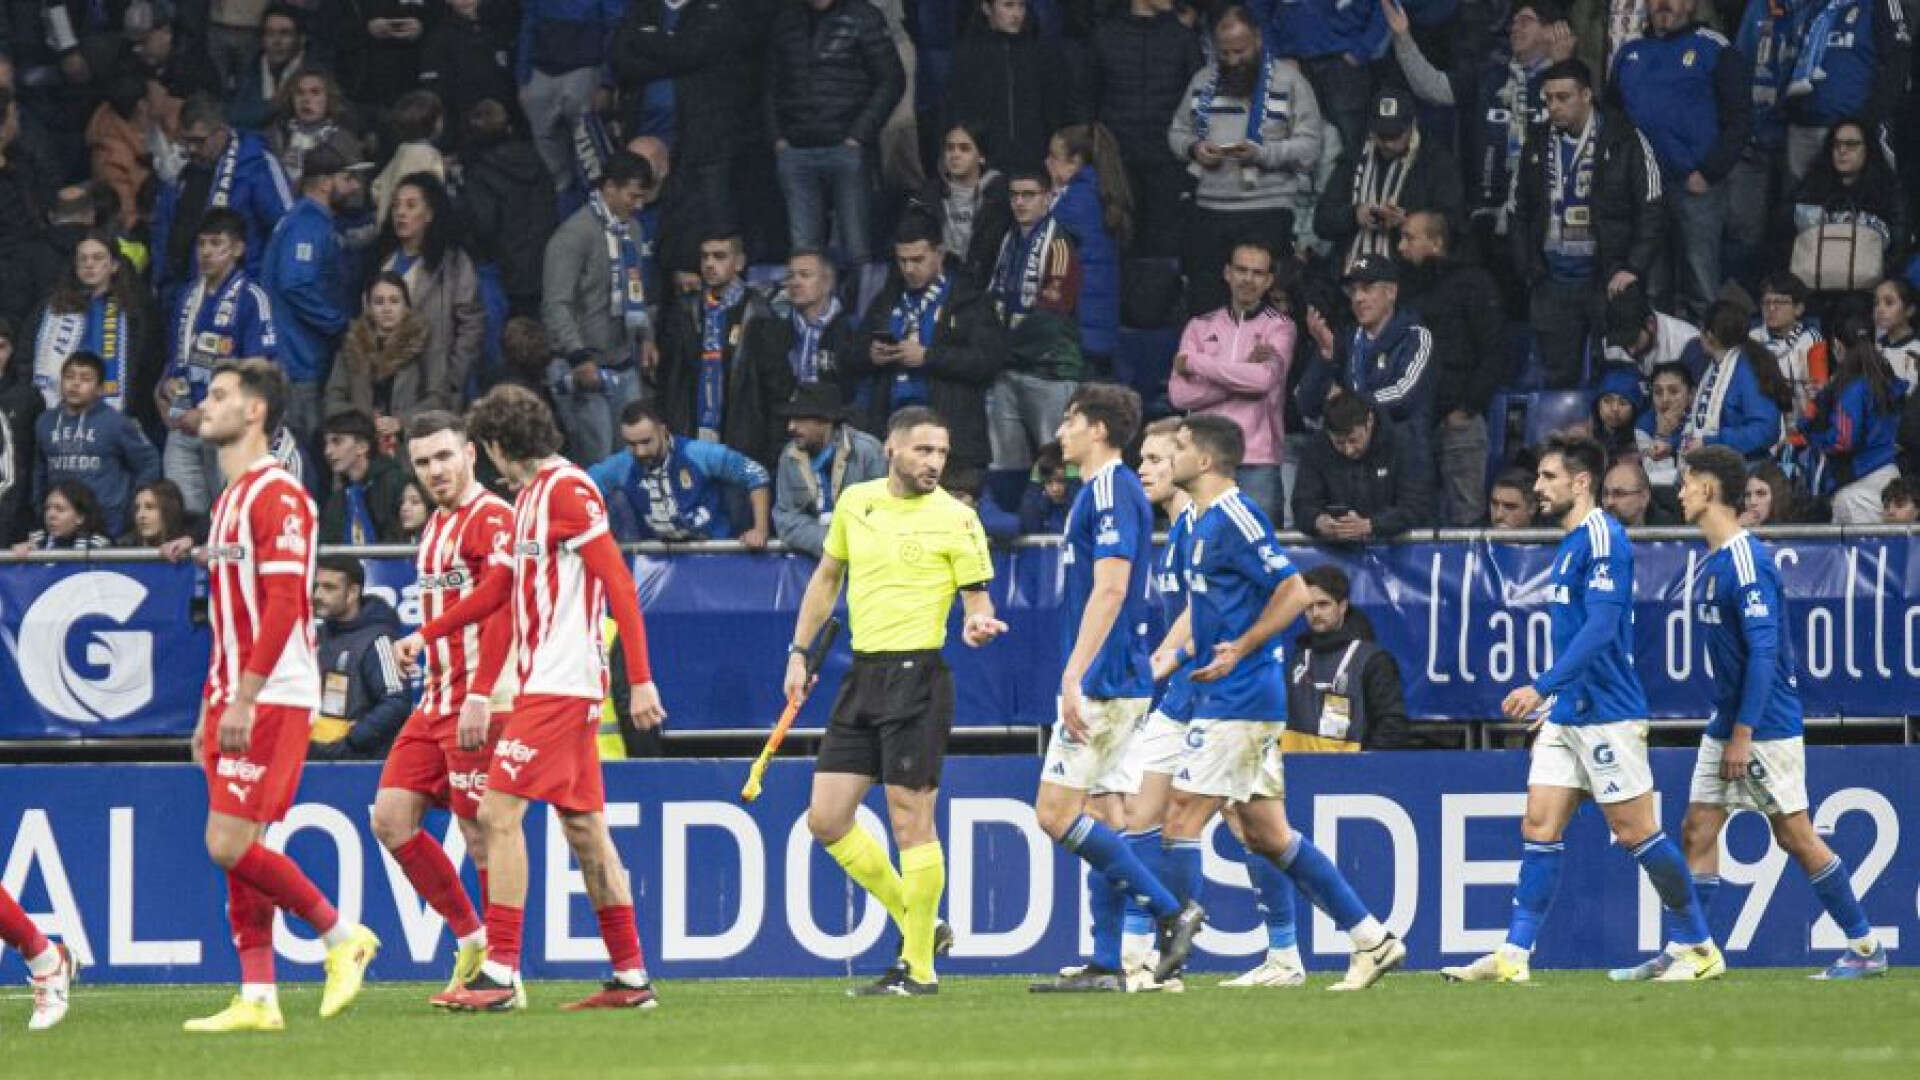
[
  {"x": 281, "y": 880},
  {"x": 622, "y": 939},
  {"x": 250, "y": 913},
  {"x": 433, "y": 876},
  {"x": 19, "y": 931},
  {"x": 503, "y": 935}
]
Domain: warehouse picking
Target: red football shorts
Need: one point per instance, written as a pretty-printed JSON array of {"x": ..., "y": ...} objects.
[
  {"x": 259, "y": 784},
  {"x": 427, "y": 758},
  {"x": 549, "y": 752}
]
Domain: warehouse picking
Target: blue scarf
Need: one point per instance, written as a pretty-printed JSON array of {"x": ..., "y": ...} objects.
[
  {"x": 359, "y": 520},
  {"x": 1023, "y": 262},
  {"x": 714, "y": 309},
  {"x": 1570, "y": 246},
  {"x": 805, "y": 357},
  {"x": 921, "y": 311},
  {"x": 1256, "y": 103},
  {"x": 205, "y": 339},
  {"x": 101, "y": 329},
  {"x": 625, "y": 267},
  {"x": 1808, "y": 67}
]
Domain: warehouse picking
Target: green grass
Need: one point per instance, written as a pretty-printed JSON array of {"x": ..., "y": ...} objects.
[{"x": 1566, "y": 1025}]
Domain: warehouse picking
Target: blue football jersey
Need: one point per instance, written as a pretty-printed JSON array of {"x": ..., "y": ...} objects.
[
  {"x": 1590, "y": 604},
  {"x": 1744, "y": 613},
  {"x": 1111, "y": 519},
  {"x": 1176, "y": 698},
  {"x": 1233, "y": 566}
]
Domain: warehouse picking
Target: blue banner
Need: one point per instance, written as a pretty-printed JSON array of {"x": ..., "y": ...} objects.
[
  {"x": 1465, "y": 620},
  {"x": 111, "y": 859}
]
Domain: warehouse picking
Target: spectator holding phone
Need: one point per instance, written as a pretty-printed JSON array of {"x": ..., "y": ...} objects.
[
  {"x": 1363, "y": 479},
  {"x": 1250, "y": 129}
]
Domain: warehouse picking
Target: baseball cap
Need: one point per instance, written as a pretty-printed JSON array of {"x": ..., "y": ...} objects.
[
  {"x": 1392, "y": 113},
  {"x": 323, "y": 160},
  {"x": 1369, "y": 270}
]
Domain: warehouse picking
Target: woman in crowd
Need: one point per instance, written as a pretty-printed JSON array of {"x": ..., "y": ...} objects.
[
  {"x": 1769, "y": 498},
  {"x": 970, "y": 201},
  {"x": 159, "y": 520},
  {"x": 414, "y": 511},
  {"x": 70, "y": 519},
  {"x": 1660, "y": 428},
  {"x": 1893, "y": 321},
  {"x": 418, "y": 243},
  {"x": 311, "y": 112},
  {"x": 383, "y": 368},
  {"x": 1092, "y": 202},
  {"x": 1851, "y": 183},
  {"x": 1616, "y": 411},
  {"x": 1742, "y": 394},
  {"x": 1855, "y": 427},
  {"x": 101, "y": 307}
]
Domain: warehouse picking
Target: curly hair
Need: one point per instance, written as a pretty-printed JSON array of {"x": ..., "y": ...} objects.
[{"x": 514, "y": 419}]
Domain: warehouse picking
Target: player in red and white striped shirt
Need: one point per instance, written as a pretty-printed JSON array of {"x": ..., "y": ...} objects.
[
  {"x": 442, "y": 754},
  {"x": 567, "y": 572},
  {"x": 263, "y": 688}
]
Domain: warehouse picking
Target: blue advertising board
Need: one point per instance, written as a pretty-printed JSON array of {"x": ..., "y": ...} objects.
[
  {"x": 110, "y": 858},
  {"x": 108, "y": 649}
]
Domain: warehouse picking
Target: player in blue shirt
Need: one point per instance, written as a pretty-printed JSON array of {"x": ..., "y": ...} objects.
[
  {"x": 1592, "y": 742},
  {"x": 1241, "y": 593},
  {"x": 1107, "y": 685},
  {"x": 1752, "y": 756}
]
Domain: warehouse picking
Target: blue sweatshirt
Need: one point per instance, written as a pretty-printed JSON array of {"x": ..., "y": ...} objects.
[
  {"x": 689, "y": 487},
  {"x": 1304, "y": 29},
  {"x": 103, "y": 449},
  {"x": 1856, "y": 55},
  {"x": 259, "y": 193},
  {"x": 302, "y": 275},
  {"x": 1852, "y": 430},
  {"x": 1690, "y": 93}
]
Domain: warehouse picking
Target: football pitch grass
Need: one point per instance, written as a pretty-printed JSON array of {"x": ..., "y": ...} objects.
[{"x": 1566, "y": 1025}]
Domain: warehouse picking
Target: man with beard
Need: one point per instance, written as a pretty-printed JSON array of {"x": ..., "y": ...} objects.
[
  {"x": 303, "y": 273},
  {"x": 826, "y": 456},
  {"x": 226, "y": 169},
  {"x": 1251, "y": 128}
]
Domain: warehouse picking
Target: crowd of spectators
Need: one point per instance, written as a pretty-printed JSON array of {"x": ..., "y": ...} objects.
[{"x": 1395, "y": 242}]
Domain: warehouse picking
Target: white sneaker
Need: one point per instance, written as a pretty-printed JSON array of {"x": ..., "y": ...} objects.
[
  {"x": 1499, "y": 966},
  {"x": 1369, "y": 966},
  {"x": 1273, "y": 971},
  {"x": 1140, "y": 980},
  {"x": 1694, "y": 963},
  {"x": 50, "y": 991},
  {"x": 1071, "y": 970}
]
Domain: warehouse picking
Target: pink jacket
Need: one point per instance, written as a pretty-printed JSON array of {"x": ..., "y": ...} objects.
[{"x": 1220, "y": 379}]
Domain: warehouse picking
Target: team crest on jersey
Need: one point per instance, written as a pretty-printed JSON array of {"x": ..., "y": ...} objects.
[
  {"x": 1601, "y": 579},
  {"x": 1272, "y": 557},
  {"x": 1109, "y": 533},
  {"x": 1756, "y": 607},
  {"x": 1687, "y": 58},
  {"x": 293, "y": 537}
]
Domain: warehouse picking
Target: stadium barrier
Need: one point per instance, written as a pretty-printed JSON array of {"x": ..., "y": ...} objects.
[
  {"x": 105, "y": 647},
  {"x": 110, "y": 857}
]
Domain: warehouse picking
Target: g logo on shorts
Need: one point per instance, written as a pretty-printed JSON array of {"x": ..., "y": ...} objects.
[{"x": 1603, "y": 755}]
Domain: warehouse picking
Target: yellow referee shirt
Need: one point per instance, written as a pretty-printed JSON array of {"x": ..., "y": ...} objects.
[{"x": 905, "y": 558}]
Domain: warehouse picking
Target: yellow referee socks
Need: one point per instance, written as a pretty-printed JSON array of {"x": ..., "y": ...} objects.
[
  {"x": 866, "y": 862},
  {"x": 924, "y": 870}
]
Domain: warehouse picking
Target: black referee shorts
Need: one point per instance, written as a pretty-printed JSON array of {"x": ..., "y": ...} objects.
[{"x": 891, "y": 720}]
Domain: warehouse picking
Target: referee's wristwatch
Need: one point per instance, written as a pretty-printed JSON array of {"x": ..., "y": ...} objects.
[{"x": 794, "y": 648}]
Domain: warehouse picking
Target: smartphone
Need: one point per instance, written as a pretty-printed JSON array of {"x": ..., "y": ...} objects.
[
  {"x": 1338, "y": 511},
  {"x": 884, "y": 337}
]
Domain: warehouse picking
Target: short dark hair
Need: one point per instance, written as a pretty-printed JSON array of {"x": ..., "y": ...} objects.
[
  {"x": 1517, "y": 479},
  {"x": 1329, "y": 579},
  {"x": 1219, "y": 438},
  {"x": 964, "y": 479},
  {"x": 1570, "y": 68},
  {"x": 1547, "y": 11},
  {"x": 265, "y": 382},
  {"x": 346, "y": 566},
  {"x": 203, "y": 110},
  {"x": 1347, "y": 413},
  {"x": 1033, "y": 173},
  {"x": 1675, "y": 368},
  {"x": 1784, "y": 283},
  {"x": 1114, "y": 407},
  {"x": 723, "y": 232},
  {"x": 432, "y": 422},
  {"x": 635, "y": 411},
  {"x": 913, "y": 416},
  {"x": 415, "y": 115},
  {"x": 1254, "y": 243},
  {"x": 1899, "y": 489},
  {"x": 916, "y": 226},
  {"x": 1580, "y": 454},
  {"x": 85, "y": 359},
  {"x": 514, "y": 419},
  {"x": 1725, "y": 465},
  {"x": 285, "y": 11},
  {"x": 625, "y": 167},
  {"x": 524, "y": 345},
  {"x": 80, "y": 496},
  {"x": 222, "y": 221},
  {"x": 353, "y": 423}
]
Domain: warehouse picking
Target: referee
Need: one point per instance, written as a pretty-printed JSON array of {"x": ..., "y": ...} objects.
[{"x": 909, "y": 547}]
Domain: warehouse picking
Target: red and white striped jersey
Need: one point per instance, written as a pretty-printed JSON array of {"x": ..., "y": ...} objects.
[
  {"x": 558, "y": 607},
  {"x": 456, "y": 546},
  {"x": 263, "y": 527}
]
